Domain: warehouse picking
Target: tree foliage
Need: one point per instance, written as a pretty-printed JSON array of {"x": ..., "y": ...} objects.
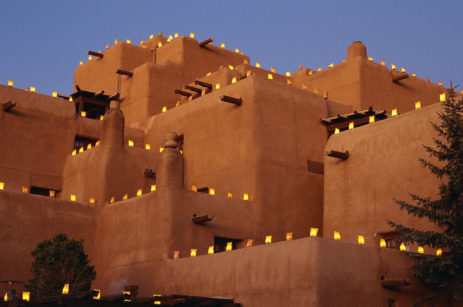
[
  {"x": 57, "y": 262},
  {"x": 442, "y": 274}
]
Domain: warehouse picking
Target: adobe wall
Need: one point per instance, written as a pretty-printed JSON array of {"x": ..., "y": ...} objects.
[
  {"x": 382, "y": 166},
  {"x": 277, "y": 129},
  {"x": 361, "y": 83},
  {"x": 304, "y": 272},
  {"x": 27, "y": 219}
]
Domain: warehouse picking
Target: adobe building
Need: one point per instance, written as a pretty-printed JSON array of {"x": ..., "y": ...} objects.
[{"x": 187, "y": 170}]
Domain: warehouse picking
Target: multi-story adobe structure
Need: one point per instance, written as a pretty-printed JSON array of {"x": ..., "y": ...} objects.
[{"x": 175, "y": 147}]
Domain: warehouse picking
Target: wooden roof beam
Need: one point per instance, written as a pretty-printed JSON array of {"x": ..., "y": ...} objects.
[
  {"x": 97, "y": 54},
  {"x": 201, "y": 219},
  {"x": 233, "y": 100},
  {"x": 400, "y": 77},
  {"x": 206, "y": 42},
  {"x": 124, "y": 72},
  {"x": 203, "y": 84},
  {"x": 6, "y": 106},
  {"x": 194, "y": 89},
  {"x": 183, "y": 93},
  {"x": 338, "y": 154}
]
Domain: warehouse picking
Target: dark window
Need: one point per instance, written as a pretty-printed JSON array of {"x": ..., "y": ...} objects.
[
  {"x": 203, "y": 190},
  {"x": 392, "y": 240},
  {"x": 41, "y": 191},
  {"x": 83, "y": 142},
  {"x": 180, "y": 142},
  {"x": 220, "y": 244},
  {"x": 315, "y": 167}
]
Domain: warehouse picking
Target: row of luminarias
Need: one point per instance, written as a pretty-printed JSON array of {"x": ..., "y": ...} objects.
[
  {"x": 289, "y": 236},
  {"x": 153, "y": 188},
  {"x": 394, "y": 112}
]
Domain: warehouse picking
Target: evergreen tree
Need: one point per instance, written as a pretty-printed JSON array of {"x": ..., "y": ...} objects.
[
  {"x": 443, "y": 273},
  {"x": 57, "y": 262}
]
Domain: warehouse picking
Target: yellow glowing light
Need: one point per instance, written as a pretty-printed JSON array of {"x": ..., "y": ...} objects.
[
  {"x": 73, "y": 197},
  {"x": 370, "y": 59},
  {"x": 161, "y": 149},
  {"x": 231, "y": 67},
  {"x": 151, "y": 36},
  {"x": 233, "y": 80},
  {"x": 439, "y": 252},
  {"x": 222, "y": 45},
  {"x": 115, "y": 41},
  {"x": 229, "y": 246},
  {"x": 10, "y": 83},
  {"x": 32, "y": 89},
  {"x": 193, "y": 252},
  {"x": 170, "y": 37},
  {"x": 83, "y": 113},
  {"x": 211, "y": 191},
  {"x": 382, "y": 243},
  {"x": 176, "y": 254},
  {"x": 5, "y": 297},
  {"x": 337, "y": 235},
  {"x": 210, "y": 250},
  {"x": 70, "y": 99},
  {"x": 192, "y": 35},
  {"x": 125, "y": 197},
  {"x": 147, "y": 146},
  {"x": 439, "y": 83},
  {"x": 159, "y": 44},
  {"x": 130, "y": 143},
  {"x": 80, "y": 63},
  {"x": 54, "y": 94},
  {"x": 383, "y": 63},
  {"x": 89, "y": 57},
  {"x": 270, "y": 77},
  {"x": 272, "y": 69},
  {"x": 311, "y": 72},
  {"x": 139, "y": 192},
  {"x": 331, "y": 65},
  {"x": 268, "y": 239},
  {"x": 413, "y": 75},
  {"x": 66, "y": 289},
  {"x": 288, "y": 74},
  {"x": 51, "y": 193},
  {"x": 97, "y": 297},
  {"x": 257, "y": 64},
  {"x": 26, "y": 296},
  {"x": 25, "y": 189},
  {"x": 164, "y": 109},
  {"x": 194, "y": 188},
  {"x": 209, "y": 73},
  {"x": 217, "y": 86},
  {"x": 418, "y": 105},
  {"x": 107, "y": 46},
  {"x": 392, "y": 66},
  {"x": 402, "y": 247},
  {"x": 336, "y": 130},
  {"x": 289, "y": 82},
  {"x": 351, "y": 125},
  {"x": 74, "y": 152},
  {"x": 245, "y": 61},
  {"x": 92, "y": 200},
  {"x": 442, "y": 97},
  {"x": 97, "y": 143},
  {"x": 245, "y": 196},
  {"x": 230, "y": 195},
  {"x": 2, "y": 185},
  {"x": 320, "y": 69},
  {"x": 128, "y": 41},
  {"x": 289, "y": 236},
  {"x": 248, "y": 73},
  {"x": 124, "y": 293},
  {"x": 361, "y": 239},
  {"x": 315, "y": 91},
  {"x": 237, "y": 50},
  {"x": 394, "y": 112},
  {"x": 371, "y": 119},
  {"x": 313, "y": 232},
  {"x": 402, "y": 69},
  {"x": 111, "y": 200},
  {"x": 249, "y": 243},
  {"x": 153, "y": 187},
  {"x": 157, "y": 299},
  {"x": 176, "y": 35},
  {"x": 81, "y": 149},
  {"x": 420, "y": 249}
]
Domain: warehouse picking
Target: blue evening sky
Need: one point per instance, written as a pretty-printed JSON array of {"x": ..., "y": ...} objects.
[{"x": 42, "y": 41}]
